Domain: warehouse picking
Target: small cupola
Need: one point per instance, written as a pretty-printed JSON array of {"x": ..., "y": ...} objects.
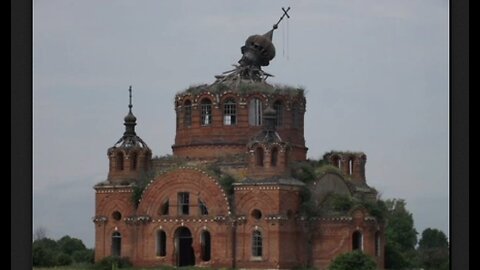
[{"x": 130, "y": 156}]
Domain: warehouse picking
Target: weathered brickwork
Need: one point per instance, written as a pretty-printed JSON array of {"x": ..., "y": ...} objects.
[{"x": 182, "y": 211}]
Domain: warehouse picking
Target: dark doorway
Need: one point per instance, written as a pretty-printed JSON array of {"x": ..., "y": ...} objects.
[
  {"x": 116, "y": 244},
  {"x": 205, "y": 242},
  {"x": 184, "y": 249},
  {"x": 357, "y": 241}
]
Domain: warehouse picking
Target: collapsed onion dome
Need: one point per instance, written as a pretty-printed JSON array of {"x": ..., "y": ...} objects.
[{"x": 258, "y": 50}]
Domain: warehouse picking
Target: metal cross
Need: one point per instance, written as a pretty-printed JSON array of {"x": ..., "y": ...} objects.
[{"x": 281, "y": 18}]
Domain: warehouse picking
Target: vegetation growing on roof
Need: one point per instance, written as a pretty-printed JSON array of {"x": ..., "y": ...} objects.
[
  {"x": 333, "y": 204},
  {"x": 141, "y": 184},
  {"x": 336, "y": 152},
  {"x": 244, "y": 87}
]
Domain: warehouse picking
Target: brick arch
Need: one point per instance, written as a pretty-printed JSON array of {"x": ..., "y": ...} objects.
[
  {"x": 259, "y": 95},
  {"x": 255, "y": 200},
  {"x": 205, "y": 95},
  {"x": 192, "y": 180},
  {"x": 229, "y": 95},
  {"x": 109, "y": 205},
  {"x": 181, "y": 99}
]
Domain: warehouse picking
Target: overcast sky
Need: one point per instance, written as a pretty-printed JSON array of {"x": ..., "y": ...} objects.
[{"x": 375, "y": 73}]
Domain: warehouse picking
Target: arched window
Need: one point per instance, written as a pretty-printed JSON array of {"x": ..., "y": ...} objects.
[
  {"x": 278, "y": 107},
  {"x": 357, "y": 241},
  {"x": 350, "y": 166},
  {"x": 119, "y": 161},
  {"x": 377, "y": 244},
  {"x": 206, "y": 109},
  {"x": 259, "y": 156},
  {"x": 203, "y": 208},
  {"x": 187, "y": 113},
  {"x": 274, "y": 157},
  {"x": 164, "y": 208},
  {"x": 257, "y": 244},
  {"x": 116, "y": 244},
  {"x": 134, "y": 161},
  {"x": 161, "y": 249},
  {"x": 229, "y": 112},
  {"x": 255, "y": 112},
  {"x": 296, "y": 115},
  {"x": 336, "y": 161},
  {"x": 205, "y": 246},
  {"x": 183, "y": 203}
]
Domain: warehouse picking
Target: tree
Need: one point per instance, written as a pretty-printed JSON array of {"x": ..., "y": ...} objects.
[
  {"x": 353, "y": 260},
  {"x": 68, "y": 245},
  {"x": 401, "y": 236},
  {"x": 42, "y": 256},
  {"x": 40, "y": 233},
  {"x": 433, "y": 250},
  {"x": 48, "y": 252}
]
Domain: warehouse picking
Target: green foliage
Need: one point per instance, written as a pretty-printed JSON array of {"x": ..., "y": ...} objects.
[
  {"x": 226, "y": 181},
  {"x": 44, "y": 252},
  {"x": 433, "y": 250},
  {"x": 307, "y": 207},
  {"x": 341, "y": 202},
  {"x": 432, "y": 238},
  {"x": 112, "y": 262},
  {"x": 303, "y": 171},
  {"x": 83, "y": 256},
  {"x": 400, "y": 229},
  {"x": 355, "y": 260},
  {"x": 323, "y": 169},
  {"x": 394, "y": 259},
  {"x": 245, "y": 87},
  {"x": 64, "y": 259},
  {"x": 46, "y": 243},
  {"x": 42, "y": 256},
  {"x": 401, "y": 236},
  {"x": 140, "y": 185},
  {"x": 378, "y": 209},
  {"x": 47, "y": 252},
  {"x": 68, "y": 245}
]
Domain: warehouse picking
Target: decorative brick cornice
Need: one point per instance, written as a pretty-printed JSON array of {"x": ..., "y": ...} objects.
[
  {"x": 99, "y": 219},
  {"x": 138, "y": 220}
]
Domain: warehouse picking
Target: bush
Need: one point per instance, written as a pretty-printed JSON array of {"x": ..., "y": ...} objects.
[
  {"x": 64, "y": 259},
  {"x": 303, "y": 171},
  {"x": 107, "y": 262},
  {"x": 226, "y": 181},
  {"x": 83, "y": 256},
  {"x": 355, "y": 260},
  {"x": 341, "y": 202},
  {"x": 42, "y": 256}
]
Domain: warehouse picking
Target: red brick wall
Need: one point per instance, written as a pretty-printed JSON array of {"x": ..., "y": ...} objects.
[
  {"x": 107, "y": 201},
  {"x": 232, "y": 136}
]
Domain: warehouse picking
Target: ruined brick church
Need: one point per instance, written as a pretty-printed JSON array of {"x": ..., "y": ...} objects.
[{"x": 238, "y": 191}]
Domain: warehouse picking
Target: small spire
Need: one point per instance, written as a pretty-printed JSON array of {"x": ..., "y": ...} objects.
[
  {"x": 130, "y": 96},
  {"x": 130, "y": 119}
]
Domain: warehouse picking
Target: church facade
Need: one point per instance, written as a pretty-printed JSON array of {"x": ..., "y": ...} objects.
[{"x": 238, "y": 191}]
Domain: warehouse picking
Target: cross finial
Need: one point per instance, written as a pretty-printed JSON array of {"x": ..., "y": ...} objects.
[
  {"x": 285, "y": 13},
  {"x": 130, "y": 97}
]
